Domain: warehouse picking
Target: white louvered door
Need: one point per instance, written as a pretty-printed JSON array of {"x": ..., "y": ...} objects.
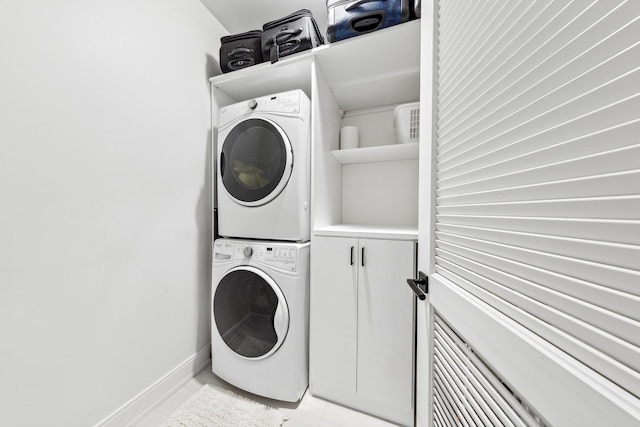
[{"x": 534, "y": 245}]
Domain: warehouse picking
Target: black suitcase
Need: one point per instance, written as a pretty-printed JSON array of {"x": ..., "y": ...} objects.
[
  {"x": 240, "y": 50},
  {"x": 416, "y": 9},
  {"x": 350, "y": 18},
  {"x": 293, "y": 33}
]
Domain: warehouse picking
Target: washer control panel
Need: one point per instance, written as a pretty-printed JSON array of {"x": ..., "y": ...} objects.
[{"x": 277, "y": 255}]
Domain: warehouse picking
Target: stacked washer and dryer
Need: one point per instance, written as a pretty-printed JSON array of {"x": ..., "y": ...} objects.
[{"x": 260, "y": 280}]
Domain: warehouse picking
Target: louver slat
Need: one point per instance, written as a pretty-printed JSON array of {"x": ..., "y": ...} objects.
[{"x": 466, "y": 393}]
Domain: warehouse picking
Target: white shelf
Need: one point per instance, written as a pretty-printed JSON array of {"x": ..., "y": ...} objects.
[
  {"x": 375, "y": 69},
  {"x": 384, "y": 153},
  {"x": 380, "y": 53},
  {"x": 293, "y": 72},
  {"x": 368, "y": 232}
]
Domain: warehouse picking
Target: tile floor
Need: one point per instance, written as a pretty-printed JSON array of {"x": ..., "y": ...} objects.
[{"x": 309, "y": 412}]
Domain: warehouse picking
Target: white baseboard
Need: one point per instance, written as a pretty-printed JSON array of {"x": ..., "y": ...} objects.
[{"x": 154, "y": 395}]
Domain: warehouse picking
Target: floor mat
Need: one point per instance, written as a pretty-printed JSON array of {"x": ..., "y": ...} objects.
[{"x": 214, "y": 406}]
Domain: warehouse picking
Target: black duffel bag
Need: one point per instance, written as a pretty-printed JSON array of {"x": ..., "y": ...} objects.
[
  {"x": 293, "y": 33},
  {"x": 240, "y": 50}
]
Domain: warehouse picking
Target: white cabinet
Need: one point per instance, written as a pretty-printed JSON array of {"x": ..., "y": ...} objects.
[
  {"x": 362, "y": 325},
  {"x": 365, "y": 210}
]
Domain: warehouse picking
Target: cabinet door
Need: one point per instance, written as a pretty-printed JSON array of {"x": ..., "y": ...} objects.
[
  {"x": 333, "y": 308},
  {"x": 386, "y": 329}
]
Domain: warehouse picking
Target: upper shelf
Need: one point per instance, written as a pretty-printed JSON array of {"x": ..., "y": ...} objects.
[
  {"x": 379, "y": 68},
  {"x": 375, "y": 69},
  {"x": 384, "y": 53}
]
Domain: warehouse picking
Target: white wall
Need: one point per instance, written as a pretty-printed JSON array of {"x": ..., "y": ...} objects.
[{"x": 104, "y": 201}]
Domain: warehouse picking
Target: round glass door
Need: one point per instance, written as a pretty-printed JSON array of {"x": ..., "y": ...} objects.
[
  {"x": 250, "y": 312},
  {"x": 255, "y": 162}
]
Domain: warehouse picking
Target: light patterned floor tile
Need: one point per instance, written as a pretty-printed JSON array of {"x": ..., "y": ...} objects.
[
  {"x": 309, "y": 412},
  {"x": 339, "y": 416}
]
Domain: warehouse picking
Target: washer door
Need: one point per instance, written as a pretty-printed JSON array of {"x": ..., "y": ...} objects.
[
  {"x": 255, "y": 162},
  {"x": 250, "y": 312}
]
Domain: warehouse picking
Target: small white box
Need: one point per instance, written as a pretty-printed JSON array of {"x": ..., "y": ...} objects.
[{"x": 406, "y": 122}]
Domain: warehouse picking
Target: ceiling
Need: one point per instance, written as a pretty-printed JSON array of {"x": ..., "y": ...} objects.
[{"x": 238, "y": 16}]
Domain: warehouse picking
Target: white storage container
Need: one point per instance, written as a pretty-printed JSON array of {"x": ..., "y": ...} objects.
[{"x": 406, "y": 122}]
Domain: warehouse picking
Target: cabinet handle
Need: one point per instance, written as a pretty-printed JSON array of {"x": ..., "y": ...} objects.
[
  {"x": 351, "y": 255},
  {"x": 419, "y": 286},
  {"x": 362, "y": 257}
]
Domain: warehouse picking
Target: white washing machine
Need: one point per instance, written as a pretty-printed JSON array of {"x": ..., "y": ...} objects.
[
  {"x": 260, "y": 316},
  {"x": 263, "y": 168}
]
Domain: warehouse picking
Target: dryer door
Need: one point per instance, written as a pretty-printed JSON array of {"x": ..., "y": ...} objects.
[
  {"x": 250, "y": 312},
  {"x": 255, "y": 161}
]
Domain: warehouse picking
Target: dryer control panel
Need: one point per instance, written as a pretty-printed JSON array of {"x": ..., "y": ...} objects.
[
  {"x": 279, "y": 255},
  {"x": 280, "y": 103}
]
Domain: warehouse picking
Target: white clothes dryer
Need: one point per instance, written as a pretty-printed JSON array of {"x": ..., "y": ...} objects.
[
  {"x": 263, "y": 168},
  {"x": 260, "y": 317}
]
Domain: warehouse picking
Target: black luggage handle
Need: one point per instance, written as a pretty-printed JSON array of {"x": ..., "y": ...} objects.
[
  {"x": 284, "y": 35},
  {"x": 367, "y": 22},
  {"x": 237, "y": 64},
  {"x": 274, "y": 52},
  {"x": 360, "y": 3},
  {"x": 239, "y": 51}
]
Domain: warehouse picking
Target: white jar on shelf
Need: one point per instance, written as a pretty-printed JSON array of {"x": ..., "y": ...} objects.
[{"x": 348, "y": 137}]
